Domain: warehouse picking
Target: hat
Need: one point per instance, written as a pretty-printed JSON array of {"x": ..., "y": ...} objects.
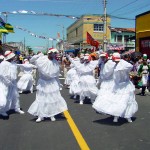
[
  {"x": 52, "y": 50},
  {"x": 8, "y": 55},
  {"x": 2, "y": 57},
  {"x": 144, "y": 56},
  {"x": 26, "y": 61},
  {"x": 103, "y": 54},
  {"x": 87, "y": 57},
  {"x": 116, "y": 57}
]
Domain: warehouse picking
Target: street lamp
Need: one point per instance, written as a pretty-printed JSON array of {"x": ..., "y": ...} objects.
[{"x": 63, "y": 38}]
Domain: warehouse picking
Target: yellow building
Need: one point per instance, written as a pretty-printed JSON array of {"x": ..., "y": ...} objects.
[
  {"x": 143, "y": 33},
  {"x": 93, "y": 24}
]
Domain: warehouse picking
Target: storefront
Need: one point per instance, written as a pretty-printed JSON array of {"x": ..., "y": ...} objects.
[{"x": 143, "y": 33}]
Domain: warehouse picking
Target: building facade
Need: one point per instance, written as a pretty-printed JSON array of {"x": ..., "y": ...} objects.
[
  {"x": 93, "y": 24},
  {"x": 121, "y": 38},
  {"x": 143, "y": 33}
]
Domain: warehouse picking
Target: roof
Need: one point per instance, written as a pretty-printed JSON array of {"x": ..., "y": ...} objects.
[
  {"x": 8, "y": 47},
  {"x": 145, "y": 13},
  {"x": 123, "y": 29}
]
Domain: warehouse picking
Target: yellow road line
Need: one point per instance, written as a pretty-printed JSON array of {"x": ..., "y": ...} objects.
[{"x": 82, "y": 143}]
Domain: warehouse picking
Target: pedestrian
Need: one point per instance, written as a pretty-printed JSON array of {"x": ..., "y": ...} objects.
[
  {"x": 49, "y": 101},
  {"x": 121, "y": 100},
  {"x": 143, "y": 72},
  {"x": 25, "y": 82},
  {"x": 9, "y": 72}
]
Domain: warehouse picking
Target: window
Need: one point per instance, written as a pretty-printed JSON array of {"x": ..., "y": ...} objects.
[
  {"x": 76, "y": 32},
  {"x": 98, "y": 27},
  {"x": 119, "y": 38},
  {"x": 126, "y": 38}
]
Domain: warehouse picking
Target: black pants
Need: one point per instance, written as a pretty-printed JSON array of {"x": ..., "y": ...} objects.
[{"x": 143, "y": 90}]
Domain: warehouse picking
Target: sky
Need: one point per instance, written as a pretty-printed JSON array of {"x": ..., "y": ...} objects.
[{"x": 49, "y": 26}]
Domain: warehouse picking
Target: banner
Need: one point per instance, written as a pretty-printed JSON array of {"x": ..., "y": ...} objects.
[{"x": 92, "y": 41}]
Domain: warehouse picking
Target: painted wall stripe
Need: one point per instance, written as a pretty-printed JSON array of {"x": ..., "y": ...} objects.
[{"x": 82, "y": 143}]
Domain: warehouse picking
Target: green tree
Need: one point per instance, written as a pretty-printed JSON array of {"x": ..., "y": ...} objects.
[{"x": 29, "y": 49}]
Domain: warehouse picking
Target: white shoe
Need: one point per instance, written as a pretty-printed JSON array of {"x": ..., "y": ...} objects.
[
  {"x": 20, "y": 111},
  {"x": 115, "y": 119},
  {"x": 39, "y": 119},
  {"x": 31, "y": 91},
  {"x": 53, "y": 119},
  {"x": 81, "y": 102},
  {"x": 129, "y": 120},
  {"x": 20, "y": 92},
  {"x": 4, "y": 114}
]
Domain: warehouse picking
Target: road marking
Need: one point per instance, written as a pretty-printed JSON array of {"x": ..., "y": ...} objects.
[{"x": 82, "y": 143}]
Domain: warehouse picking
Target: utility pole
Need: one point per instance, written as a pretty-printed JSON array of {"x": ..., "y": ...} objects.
[
  {"x": 105, "y": 27},
  {"x": 63, "y": 33},
  {"x": 24, "y": 45}
]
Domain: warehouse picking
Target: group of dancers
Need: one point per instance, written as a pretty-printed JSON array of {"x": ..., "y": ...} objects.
[
  {"x": 114, "y": 97},
  {"x": 48, "y": 102}
]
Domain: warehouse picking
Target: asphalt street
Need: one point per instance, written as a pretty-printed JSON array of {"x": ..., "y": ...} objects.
[{"x": 21, "y": 132}]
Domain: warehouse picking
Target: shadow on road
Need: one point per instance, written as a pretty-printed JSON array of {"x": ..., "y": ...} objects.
[{"x": 109, "y": 121}]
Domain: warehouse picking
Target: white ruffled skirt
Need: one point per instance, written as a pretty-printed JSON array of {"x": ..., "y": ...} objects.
[
  {"x": 68, "y": 78},
  {"x": 49, "y": 101},
  {"x": 25, "y": 82},
  {"x": 88, "y": 87},
  {"x": 3, "y": 96},
  {"x": 106, "y": 87},
  {"x": 120, "y": 102}
]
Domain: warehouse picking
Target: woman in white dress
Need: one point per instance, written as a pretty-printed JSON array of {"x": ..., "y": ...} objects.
[
  {"x": 87, "y": 81},
  {"x": 121, "y": 101},
  {"x": 74, "y": 89},
  {"x": 3, "y": 90},
  {"x": 49, "y": 101},
  {"x": 25, "y": 82},
  {"x": 107, "y": 82},
  {"x": 9, "y": 72}
]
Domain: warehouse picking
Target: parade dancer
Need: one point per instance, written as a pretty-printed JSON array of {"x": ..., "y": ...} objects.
[
  {"x": 106, "y": 79},
  {"x": 3, "y": 90},
  {"x": 87, "y": 81},
  {"x": 103, "y": 57},
  {"x": 49, "y": 101},
  {"x": 25, "y": 83},
  {"x": 121, "y": 101},
  {"x": 9, "y": 71},
  {"x": 74, "y": 89},
  {"x": 68, "y": 74}
]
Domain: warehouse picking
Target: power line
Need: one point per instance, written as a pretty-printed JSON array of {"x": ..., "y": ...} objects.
[
  {"x": 124, "y": 6},
  {"x": 134, "y": 10},
  {"x": 117, "y": 17}
]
